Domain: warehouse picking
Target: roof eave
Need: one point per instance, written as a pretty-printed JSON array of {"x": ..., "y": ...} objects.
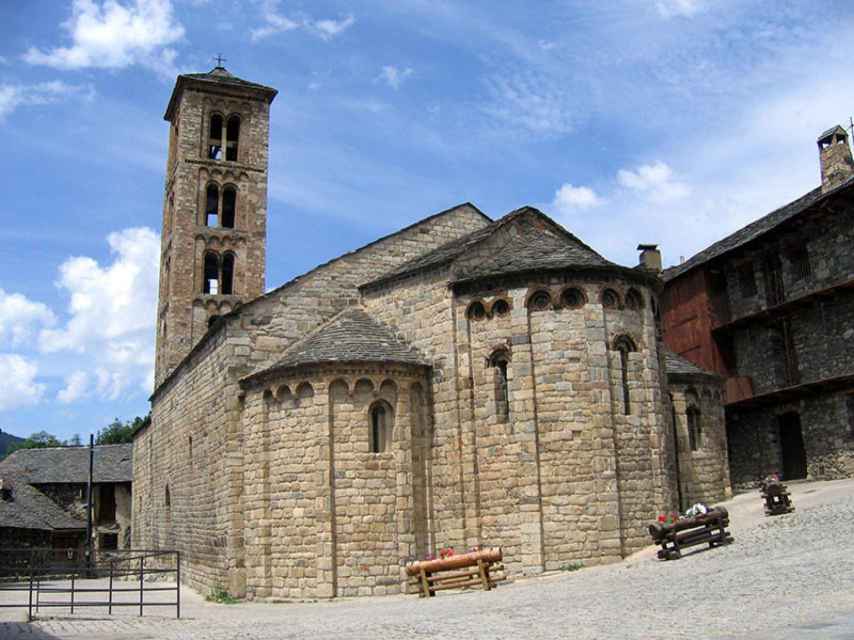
[
  {"x": 183, "y": 82},
  {"x": 278, "y": 370}
]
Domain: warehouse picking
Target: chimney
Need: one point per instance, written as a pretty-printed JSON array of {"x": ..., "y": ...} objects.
[
  {"x": 835, "y": 158},
  {"x": 650, "y": 257}
]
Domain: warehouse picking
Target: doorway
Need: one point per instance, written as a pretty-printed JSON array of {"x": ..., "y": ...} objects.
[{"x": 792, "y": 447}]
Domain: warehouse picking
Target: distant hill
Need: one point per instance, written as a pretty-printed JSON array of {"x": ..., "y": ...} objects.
[{"x": 7, "y": 440}]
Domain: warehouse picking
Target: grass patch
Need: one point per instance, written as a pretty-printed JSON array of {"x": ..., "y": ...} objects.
[
  {"x": 571, "y": 566},
  {"x": 221, "y": 596}
]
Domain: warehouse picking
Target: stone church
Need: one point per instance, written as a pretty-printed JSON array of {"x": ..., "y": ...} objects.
[{"x": 461, "y": 382}]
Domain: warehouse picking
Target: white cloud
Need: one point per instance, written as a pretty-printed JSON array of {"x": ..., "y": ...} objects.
[
  {"x": 276, "y": 22},
  {"x": 328, "y": 29},
  {"x": 115, "y": 35},
  {"x": 569, "y": 198},
  {"x": 671, "y": 8},
  {"x": 655, "y": 180},
  {"x": 18, "y": 386},
  {"x": 111, "y": 311},
  {"x": 76, "y": 387},
  {"x": 393, "y": 76},
  {"x": 532, "y": 103},
  {"x": 20, "y": 318},
  {"x": 4, "y": 60},
  {"x": 13, "y": 96}
]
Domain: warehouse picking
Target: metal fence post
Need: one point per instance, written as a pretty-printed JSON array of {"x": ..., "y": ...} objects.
[
  {"x": 178, "y": 585},
  {"x": 141, "y": 560},
  {"x": 30, "y": 606},
  {"x": 110, "y": 602},
  {"x": 73, "y": 575}
]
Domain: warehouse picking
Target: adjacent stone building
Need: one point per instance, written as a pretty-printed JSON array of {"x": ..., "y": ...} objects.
[
  {"x": 460, "y": 382},
  {"x": 771, "y": 309},
  {"x": 43, "y": 497}
]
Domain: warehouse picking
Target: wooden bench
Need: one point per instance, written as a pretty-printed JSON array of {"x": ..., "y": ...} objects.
[
  {"x": 475, "y": 569},
  {"x": 776, "y": 497},
  {"x": 707, "y": 528}
]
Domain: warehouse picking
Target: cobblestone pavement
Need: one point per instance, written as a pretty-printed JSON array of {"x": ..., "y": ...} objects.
[{"x": 789, "y": 577}]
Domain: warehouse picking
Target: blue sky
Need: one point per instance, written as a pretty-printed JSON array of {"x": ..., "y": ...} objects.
[{"x": 668, "y": 121}]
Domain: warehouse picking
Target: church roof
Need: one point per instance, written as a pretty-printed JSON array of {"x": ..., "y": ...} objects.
[
  {"x": 524, "y": 240},
  {"x": 676, "y": 364},
  {"x": 29, "y": 508},
  {"x": 216, "y": 76},
  {"x": 351, "y": 336}
]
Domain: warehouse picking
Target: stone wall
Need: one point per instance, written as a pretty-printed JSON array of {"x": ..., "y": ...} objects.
[
  {"x": 703, "y": 468},
  {"x": 200, "y": 402}
]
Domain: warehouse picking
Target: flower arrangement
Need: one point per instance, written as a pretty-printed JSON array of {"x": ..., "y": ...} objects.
[
  {"x": 446, "y": 552},
  {"x": 668, "y": 518}
]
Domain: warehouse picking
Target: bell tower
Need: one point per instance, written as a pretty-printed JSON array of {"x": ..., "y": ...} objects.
[{"x": 213, "y": 241}]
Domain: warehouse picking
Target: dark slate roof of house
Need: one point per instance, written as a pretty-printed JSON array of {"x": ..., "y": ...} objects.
[
  {"x": 753, "y": 230},
  {"x": 29, "y": 508},
  {"x": 60, "y": 465},
  {"x": 676, "y": 364},
  {"x": 535, "y": 242},
  {"x": 831, "y": 131},
  {"x": 351, "y": 336}
]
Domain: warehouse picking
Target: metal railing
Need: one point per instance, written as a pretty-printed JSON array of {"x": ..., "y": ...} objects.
[{"x": 58, "y": 572}]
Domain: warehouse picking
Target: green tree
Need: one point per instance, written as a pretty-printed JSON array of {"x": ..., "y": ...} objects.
[
  {"x": 118, "y": 432},
  {"x": 39, "y": 440},
  {"x": 74, "y": 441}
]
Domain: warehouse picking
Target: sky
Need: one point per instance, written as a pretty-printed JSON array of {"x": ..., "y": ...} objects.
[{"x": 672, "y": 122}]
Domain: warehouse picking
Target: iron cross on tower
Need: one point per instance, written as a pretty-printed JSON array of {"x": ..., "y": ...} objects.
[{"x": 219, "y": 60}]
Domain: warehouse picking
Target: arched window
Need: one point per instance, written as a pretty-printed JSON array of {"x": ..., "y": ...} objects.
[
  {"x": 573, "y": 298},
  {"x": 610, "y": 299},
  {"x": 381, "y": 427},
  {"x": 634, "y": 300},
  {"x": 625, "y": 346},
  {"x": 500, "y": 307},
  {"x": 229, "y": 205},
  {"x": 228, "y": 274},
  {"x": 695, "y": 431},
  {"x": 211, "y": 275},
  {"x": 476, "y": 311},
  {"x": 215, "y": 138},
  {"x": 540, "y": 301},
  {"x": 500, "y": 361},
  {"x": 212, "y": 206},
  {"x": 232, "y": 135}
]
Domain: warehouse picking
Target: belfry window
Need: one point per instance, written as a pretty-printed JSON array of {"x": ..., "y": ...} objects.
[
  {"x": 215, "y": 138},
  {"x": 500, "y": 361},
  {"x": 229, "y": 204},
  {"x": 625, "y": 346},
  {"x": 232, "y": 135},
  {"x": 381, "y": 427},
  {"x": 212, "y": 206},
  {"x": 211, "y": 274},
  {"x": 228, "y": 274}
]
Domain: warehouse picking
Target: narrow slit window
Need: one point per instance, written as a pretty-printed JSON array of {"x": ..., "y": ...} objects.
[
  {"x": 228, "y": 274},
  {"x": 232, "y": 135},
  {"x": 625, "y": 346},
  {"x": 500, "y": 363},
  {"x": 215, "y": 138},
  {"x": 211, "y": 274},
  {"x": 380, "y": 435},
  {"x": 212, "y": 206},
  {"x": 695, "y": 434},
  {"x": 229, "y": 203}
]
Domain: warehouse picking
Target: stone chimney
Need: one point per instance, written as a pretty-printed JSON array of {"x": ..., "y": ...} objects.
[
  {"x": 835, "y": 158},
  {"x": 650, "y": 257}
]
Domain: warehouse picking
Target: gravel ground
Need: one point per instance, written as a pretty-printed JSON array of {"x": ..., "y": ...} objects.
[{"x": 787, "y": 577}]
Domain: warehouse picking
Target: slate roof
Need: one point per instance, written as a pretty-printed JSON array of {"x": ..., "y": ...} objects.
[
  {"x": 676, "y": 364},
  {"x": 831, "y": 131},
  {"x": 351, "y": 336},
  {"x": 29, "y": 508},
  {"x": 217, "y": 75},
  {"x": 113, "y": 463},
  {"x": 535, "y": 243},
  {"x": 753, "y": 230}
]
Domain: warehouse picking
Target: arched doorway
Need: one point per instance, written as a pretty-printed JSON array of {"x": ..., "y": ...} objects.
[{"x": 792, "y": 446}]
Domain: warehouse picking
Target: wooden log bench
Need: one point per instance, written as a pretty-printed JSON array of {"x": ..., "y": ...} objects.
[
  {"x": 707, "y": 528},
  {"x": 476, "y": 569},
  {"x": 776, "y": 497}
]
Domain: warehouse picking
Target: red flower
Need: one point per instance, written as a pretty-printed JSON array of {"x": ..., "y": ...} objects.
[{"x": 662, "y": 519}]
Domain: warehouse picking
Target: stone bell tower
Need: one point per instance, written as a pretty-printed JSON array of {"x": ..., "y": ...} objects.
[{"x": 214, "y": 233}]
